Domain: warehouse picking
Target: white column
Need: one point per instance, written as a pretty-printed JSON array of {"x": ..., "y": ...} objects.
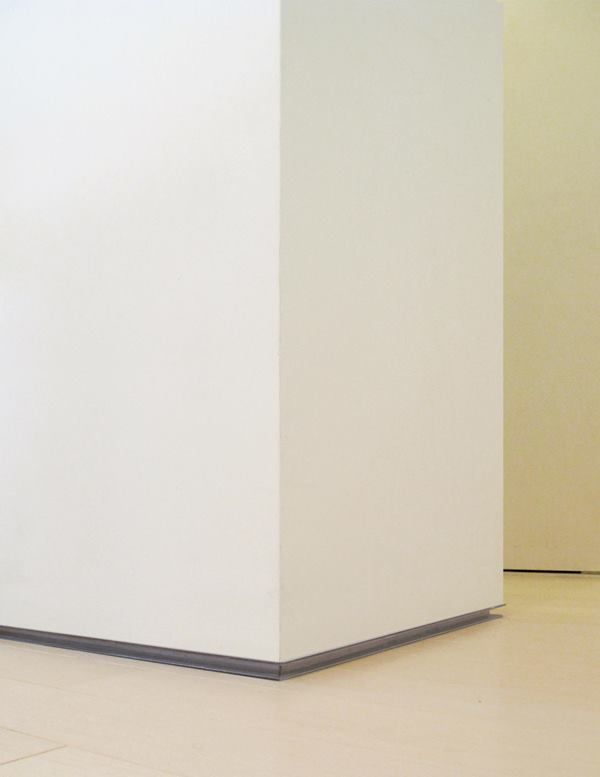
[{"x": 251, "y": 289}]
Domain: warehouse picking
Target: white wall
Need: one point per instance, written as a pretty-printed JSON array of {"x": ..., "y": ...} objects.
[
  {"x": 552, "y": 284},
  {"x": 139, "y": 153},
  {"x": 391, "y": 299},
  {"x": 151, "y": 335}
]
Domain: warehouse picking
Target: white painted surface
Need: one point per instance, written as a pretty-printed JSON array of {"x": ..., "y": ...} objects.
[
  {"x": 391, "y": 298},
  {"x": 139, "y": 321},
  {"x": 139, "y": 402}
]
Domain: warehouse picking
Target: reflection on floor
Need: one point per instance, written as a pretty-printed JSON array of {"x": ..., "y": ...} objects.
[{"x": 515, "y": 697}]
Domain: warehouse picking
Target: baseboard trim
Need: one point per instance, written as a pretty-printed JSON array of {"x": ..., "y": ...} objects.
[
  {"x": 213, "y": 662},
  {"x": 547, "y": 571},
  {"x": 379, "y": 644},
  {"x": 269, "y": 670}
]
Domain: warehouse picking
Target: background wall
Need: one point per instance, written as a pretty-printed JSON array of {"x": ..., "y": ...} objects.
[
  {"x": 391, "y": 299},
  {"x": 139, "y": 151},
  {"x": 552, "y": 279}
]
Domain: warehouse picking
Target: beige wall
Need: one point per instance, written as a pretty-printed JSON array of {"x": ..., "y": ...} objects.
[{"x": 552, "y": 284}]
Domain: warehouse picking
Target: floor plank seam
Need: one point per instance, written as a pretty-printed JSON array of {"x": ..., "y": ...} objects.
[
  {"x": 29, "y": 734},
  {"x": 32, "y": 755}
]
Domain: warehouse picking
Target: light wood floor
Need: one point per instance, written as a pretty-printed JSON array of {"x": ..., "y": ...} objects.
[{"x": 516, "y": 697}]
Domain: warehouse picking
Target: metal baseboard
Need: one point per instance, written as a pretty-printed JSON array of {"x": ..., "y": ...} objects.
[
  {"x": 269, "y": 670},
  {"x": 190, "y": 658},
  {"x": 379, "y": 644}
]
